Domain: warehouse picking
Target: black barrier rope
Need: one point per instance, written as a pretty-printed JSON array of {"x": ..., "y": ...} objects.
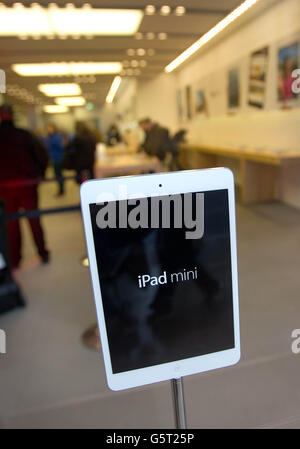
[
  {"x": 34, "y": 181},
  {"x": 38, "y": 212}
]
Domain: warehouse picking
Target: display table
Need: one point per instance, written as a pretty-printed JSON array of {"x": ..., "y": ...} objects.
[
  {"x": 128, "y": 164},
  {"x": 262, "y": 172},
  {"x": 120, "y": 150}
]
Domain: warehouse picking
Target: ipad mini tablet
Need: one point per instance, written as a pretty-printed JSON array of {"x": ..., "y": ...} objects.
[{"x": 162, "y": 254}]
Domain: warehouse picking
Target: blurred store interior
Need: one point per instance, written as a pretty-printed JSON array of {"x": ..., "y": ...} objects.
[{"x": 223, "y": 78}]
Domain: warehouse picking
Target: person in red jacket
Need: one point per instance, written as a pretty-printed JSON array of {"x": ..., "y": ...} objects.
[{"x": 23, "y": 160}]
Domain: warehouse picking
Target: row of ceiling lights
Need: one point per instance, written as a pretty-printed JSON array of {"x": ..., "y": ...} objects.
[
  {"x": 14, "y": 90},
  {"x": 140, "y": 52},
  {"x": 165, "y": 10},
  {"x": 65, "y": 95},
  {"x": 139, "y": 36},
  {"x": 90, "y": 79},
  {"x": 52, "y": 37},
  {"x": 134, "y": 63},
  {"x": 187, "y": 53},
  {"x": 130, "y": 72},
  {"x": 150, "y": 10},
  {"x": 151, "y": 36},
  {"x": 72, "y": 90}
]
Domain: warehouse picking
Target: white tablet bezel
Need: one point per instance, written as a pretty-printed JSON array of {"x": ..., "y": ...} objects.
[{"x": 159, "y": 185}]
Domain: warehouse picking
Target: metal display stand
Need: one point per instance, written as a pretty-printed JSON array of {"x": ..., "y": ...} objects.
[{"x": 178, "y": 403}]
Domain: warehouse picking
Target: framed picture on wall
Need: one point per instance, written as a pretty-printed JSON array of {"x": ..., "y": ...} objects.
[
  {"x": 234, "y": 88},
  {"x": 188, "y": 100},
  {"x": 179, "y": 103},
  {"x": 288, "y": 60},
  {"x": 200, "y": 101},
  {"x": 258, "y": 77}
]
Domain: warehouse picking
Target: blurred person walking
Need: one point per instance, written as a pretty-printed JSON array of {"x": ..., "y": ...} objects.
[
  {"x": 80, "y": 153},
  {"x": 55, "y": 146},
  {"x": 23, "y": 160}
]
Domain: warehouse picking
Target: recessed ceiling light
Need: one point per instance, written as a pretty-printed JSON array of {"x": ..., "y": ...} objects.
[
  {"x": 165, "y": 10},
  {"x": 150, "y": 10},
  {"x": 113, "y": 89},
  {"x": 125, "y": 63},
  {"x": 55, "y": 90},
  {"x": 37, "y": 20},
  {"x": 150, "y": 36},
  {"x": 139, "y": 36},
  {"x": 130, "y": 52},
  {"x": 162, "y": 36},
  {"x": 70, "y": 101},
  {"x": 67, "y": 68},
  {"x": 134, "y": 63},
  {"x": 179, "y": 11},
  {"x": 141, "y": 51},
  {"x": 54, "y": 108},
  {"x": 143, "y": 63}
]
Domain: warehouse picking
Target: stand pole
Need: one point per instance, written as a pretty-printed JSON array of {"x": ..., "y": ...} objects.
[{"x": 178, "y": 403}]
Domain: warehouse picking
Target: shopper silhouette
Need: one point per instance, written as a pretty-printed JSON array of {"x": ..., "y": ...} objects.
[
  {"x": 80, "y": 153},
  {"x": 23, "y": 160}
]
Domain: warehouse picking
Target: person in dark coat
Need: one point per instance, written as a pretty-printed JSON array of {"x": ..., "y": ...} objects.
[
  {"x": 80, "y": 153},
  {"x": 157, "y": 139},
  {"x": 23, "y": 161}
]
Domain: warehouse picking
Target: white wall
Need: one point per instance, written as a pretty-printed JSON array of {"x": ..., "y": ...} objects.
[
  {"x": 123, "y": 109},
  {"x": 272, "y": 127},
  {"x": 157, "y": 99}
]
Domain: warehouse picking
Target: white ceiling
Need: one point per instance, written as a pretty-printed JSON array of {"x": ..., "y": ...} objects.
[{"x": 200, "y": 16}]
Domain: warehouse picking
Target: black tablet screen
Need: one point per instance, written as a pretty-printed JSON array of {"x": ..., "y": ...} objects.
[{"x": 164, "y": 266}]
